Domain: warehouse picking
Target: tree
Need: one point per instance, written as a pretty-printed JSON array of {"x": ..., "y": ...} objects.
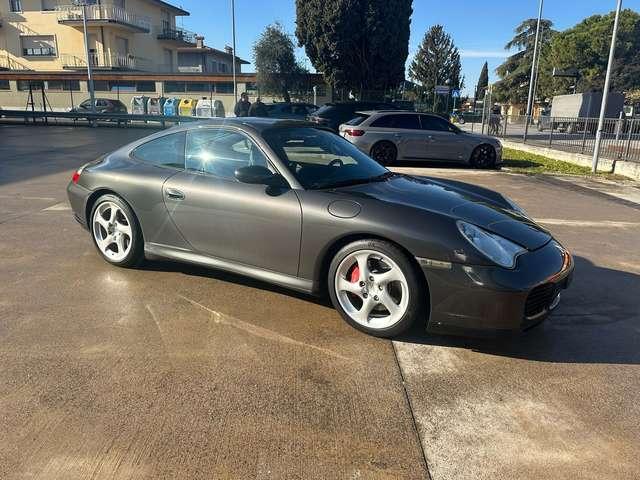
[
  {"x": 437, "y": 62},
  {"x": 585, "y": 47},
  {"x": 515, "y": 72},
  {"x": 483, "y": 82},
  {"x": 357, "y": 44},
  {"x": 277, "y": 70}
]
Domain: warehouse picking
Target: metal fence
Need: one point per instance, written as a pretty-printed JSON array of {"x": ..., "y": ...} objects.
[{"x": 620, "y": 136}]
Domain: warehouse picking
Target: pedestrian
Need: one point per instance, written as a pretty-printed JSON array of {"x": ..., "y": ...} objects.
[
  {"x": 258, "y": 109},
  {"x": 243, "y": 105}
]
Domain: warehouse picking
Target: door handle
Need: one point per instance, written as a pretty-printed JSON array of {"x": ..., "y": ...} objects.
[
  {"x": 174, "y": 194},
  {"x": 397, "y": 135}
]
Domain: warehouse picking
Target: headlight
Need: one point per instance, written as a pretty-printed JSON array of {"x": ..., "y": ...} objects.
[{"x": 496, "y": 248}]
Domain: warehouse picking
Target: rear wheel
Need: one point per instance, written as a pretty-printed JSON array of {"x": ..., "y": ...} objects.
[
  {"x": 484, "y": 156},
  {"x": 115, "y": 232},
  {"x": 384, "y": 153},
  {"x": 375, "y": 288}
]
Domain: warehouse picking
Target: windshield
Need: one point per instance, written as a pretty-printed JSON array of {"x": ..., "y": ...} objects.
[{"x": 321, "y": 159}]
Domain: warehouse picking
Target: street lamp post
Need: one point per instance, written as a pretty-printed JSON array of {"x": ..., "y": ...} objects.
[
  {"x": 92, "y": 94},
  {"x": 233, "y": 57},
  {"x": 533, "y": 74},
  {"x": 605, "y": 91}
]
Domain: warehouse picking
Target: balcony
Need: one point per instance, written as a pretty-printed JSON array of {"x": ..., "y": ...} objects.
[
  {"x": 103, "y": 15},
  {"x": 177, "y": 35},
  {"x": 99, "y": 61}
]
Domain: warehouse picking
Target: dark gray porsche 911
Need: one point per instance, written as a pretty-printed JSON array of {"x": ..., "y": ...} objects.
[{"x": 293, "y": 204}]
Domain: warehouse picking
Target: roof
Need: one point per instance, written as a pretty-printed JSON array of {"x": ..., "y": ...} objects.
[
  {"x": 206, "y": 49},
  {"x": 177, "y": 10},
  {"x": 258, "y": 124},
  {"x": 372, "y": 112}
]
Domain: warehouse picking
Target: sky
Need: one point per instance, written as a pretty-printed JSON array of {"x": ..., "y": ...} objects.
[{"x": 480, "y": 29}]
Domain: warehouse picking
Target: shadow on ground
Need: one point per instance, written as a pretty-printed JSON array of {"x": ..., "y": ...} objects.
[{"x": 598, "y": 321}]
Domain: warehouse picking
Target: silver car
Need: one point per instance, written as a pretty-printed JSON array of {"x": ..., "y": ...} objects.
[{"x": 388, "y": 136}]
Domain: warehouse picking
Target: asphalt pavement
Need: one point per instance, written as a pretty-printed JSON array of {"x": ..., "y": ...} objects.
[{"x": 173, "y": 371}]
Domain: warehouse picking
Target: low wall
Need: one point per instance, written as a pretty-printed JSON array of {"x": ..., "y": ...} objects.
[{"x": 619, "y": 167}]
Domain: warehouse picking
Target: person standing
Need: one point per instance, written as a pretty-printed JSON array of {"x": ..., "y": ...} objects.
[
  {"x": 258, "y": 109},
  {"x": 243, "y": 105}
]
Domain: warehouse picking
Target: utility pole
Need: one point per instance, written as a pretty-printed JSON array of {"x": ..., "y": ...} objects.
[
  {"x": 92, "y": 94},
  {"x": 233, "y": 57},
  {"x": 533, "y": 73},
  {"x": 605, "y": 92}
]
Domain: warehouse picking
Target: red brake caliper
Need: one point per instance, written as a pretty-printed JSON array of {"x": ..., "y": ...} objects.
[{"x": 355, "y": 274}]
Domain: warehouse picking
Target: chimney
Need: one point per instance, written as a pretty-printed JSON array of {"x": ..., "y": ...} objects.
[
  {"x": 228, "y": 49},
  {"x": 199, "y": 41}
]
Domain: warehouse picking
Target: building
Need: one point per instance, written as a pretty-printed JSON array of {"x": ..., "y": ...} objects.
[{"x": 134, "y": 47}]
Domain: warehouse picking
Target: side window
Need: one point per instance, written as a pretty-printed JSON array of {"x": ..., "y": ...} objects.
[
  {"x": 409, "y": 122},
  {"x": 167, "y": 151},
  {"x": 434, "y": 124},
  {"x": 220, "y": 152},
  {"x": 383, "y": 122}
]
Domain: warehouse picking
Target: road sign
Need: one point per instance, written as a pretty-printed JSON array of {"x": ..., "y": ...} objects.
[
  {"x": 455, "y": 93},
  {"x": 441, "y": 89}
]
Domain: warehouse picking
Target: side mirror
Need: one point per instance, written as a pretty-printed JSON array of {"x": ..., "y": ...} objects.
[{"x": 259, "y": 175}]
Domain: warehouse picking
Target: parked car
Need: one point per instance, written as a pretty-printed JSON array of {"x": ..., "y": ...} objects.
[
  {"x": 293, "y": 204},
  {"x": 332, "y": 115},
  {"x": 103, "y": 105},
  {"x": 294, "y": 111},
  {"x": 389, "y": 136}
]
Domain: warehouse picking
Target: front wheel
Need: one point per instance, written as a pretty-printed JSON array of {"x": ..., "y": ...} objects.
[
  {"x": 375, "y": 288},
  {"x": 483, "y": 156},
  {"x": 116, "y": 232}
]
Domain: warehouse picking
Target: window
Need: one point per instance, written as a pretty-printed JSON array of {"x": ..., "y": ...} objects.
[
  {"x": 167, "y": 151},
  {"x": 23, "y": 85},
  {"x": 63, "y": 85},
  {"x": 4, "y": 85},
  {"x": 49, "y": 5},
  {"x": 223, "y": 67},
  {"x": 15, "y": 5},
  {"x": 198, "y": 87},
  {"x": 437, "y": 124},
  {"x": 397, "y": 121},
  {"x": 321, "y": 159},
  {"x": 178, "y": 87},
  {"x": 220, "y": 152},
  {"x": 224, "y": 87},
  {"x": 145, "y": 86},
  {"x": 38, "y": 45}
]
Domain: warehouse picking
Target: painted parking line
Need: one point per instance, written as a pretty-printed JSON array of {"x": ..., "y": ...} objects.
[
  {"x": 588, "y": 223},
  {"x": 62, "y": 206}
]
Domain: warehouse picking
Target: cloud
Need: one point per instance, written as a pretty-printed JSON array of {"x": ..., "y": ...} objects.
[{"x": 483, "y": 54}]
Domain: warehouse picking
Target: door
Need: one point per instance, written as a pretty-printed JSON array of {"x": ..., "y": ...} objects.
[
  {"x": 404, "y": 131},
  {"x": 442, "y": 141},
  {"x": 219, "y": 216}
]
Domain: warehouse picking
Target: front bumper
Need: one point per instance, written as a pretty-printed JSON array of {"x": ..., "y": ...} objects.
[{"x": 467, "y": 297}]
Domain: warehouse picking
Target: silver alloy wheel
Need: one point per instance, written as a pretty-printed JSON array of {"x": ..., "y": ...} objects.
[
  {"x": 112, "y": 231},
  {"x": 371, "y": 289}
]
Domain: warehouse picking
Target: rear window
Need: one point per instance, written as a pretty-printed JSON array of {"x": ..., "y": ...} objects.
[{"x": 358, "y": 120}]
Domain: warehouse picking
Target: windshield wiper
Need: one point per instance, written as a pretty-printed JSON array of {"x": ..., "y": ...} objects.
[{"x": 352, "y": 181}]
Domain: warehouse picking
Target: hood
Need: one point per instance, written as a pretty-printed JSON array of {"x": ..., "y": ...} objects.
[{"x": 461, "y": 201}]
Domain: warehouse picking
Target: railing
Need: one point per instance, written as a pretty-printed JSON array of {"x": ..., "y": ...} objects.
[
  {"x": 106, "y": 61},
  {"x": 95, "y": 119},
  {"x": 110, "y": 13},
  {"x": 39, "y": 52},
  {"x": 166, "y": 32},
  {"x": 620, "y": 136}
]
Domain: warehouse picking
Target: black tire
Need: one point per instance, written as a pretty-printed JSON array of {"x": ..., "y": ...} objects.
[
  {"x": 483, "y": 156},
  {"x": 417, "y": 293},
  {"x": 135, "y": 256},
  {"x": 384, "y": 152}
]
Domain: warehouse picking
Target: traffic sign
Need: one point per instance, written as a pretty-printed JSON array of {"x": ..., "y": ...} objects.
[
  {"x": 455, "y": 93},
  {"x": 442, "y": 89}
]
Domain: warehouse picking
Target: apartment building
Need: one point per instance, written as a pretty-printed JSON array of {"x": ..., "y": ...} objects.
[{"x": 135, "y": 48}]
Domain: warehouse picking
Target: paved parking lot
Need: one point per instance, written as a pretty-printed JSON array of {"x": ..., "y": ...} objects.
[{"x": 173, "y": 371}]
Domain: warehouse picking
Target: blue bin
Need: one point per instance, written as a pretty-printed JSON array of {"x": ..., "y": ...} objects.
[{"x": 171, "y": 107}]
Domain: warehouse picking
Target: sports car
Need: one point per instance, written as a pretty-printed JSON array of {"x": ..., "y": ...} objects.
[{"x": 292, "y": 203}]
